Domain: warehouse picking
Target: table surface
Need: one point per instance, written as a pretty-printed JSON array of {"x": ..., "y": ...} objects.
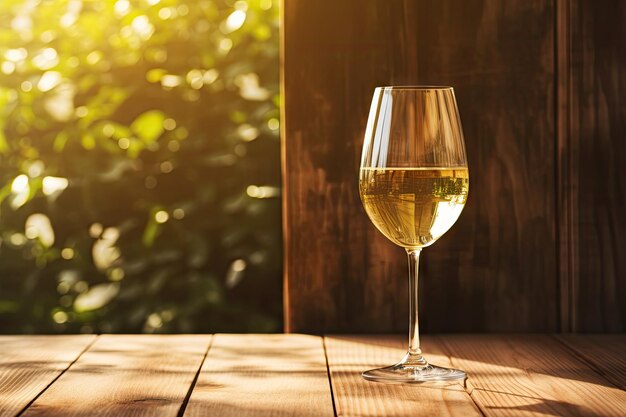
[{"x": 303, "y": 375}]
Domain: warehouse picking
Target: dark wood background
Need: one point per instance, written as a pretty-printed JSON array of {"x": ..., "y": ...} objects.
[
  {"x": 591, "y": 164},
  {"x": 541, "y": 244}
]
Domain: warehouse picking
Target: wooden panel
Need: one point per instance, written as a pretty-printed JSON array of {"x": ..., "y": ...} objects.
[
  {"x": 499, "y": 261},
  {"x": 340, "y": 273},
  {"x": 566, "y": 170},
  {"x": 28, "y": 364},
  {"x": 348, "y": 356},
  {"x": 592, "y": 151},
  {"x": 606, "y": 353},
  {"x": 120, "y": 375},
  {"x": 263, "y": 375},
  {"x": 513, "y": 375}
]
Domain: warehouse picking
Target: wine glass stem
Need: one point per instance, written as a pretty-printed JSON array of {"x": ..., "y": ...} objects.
[{"x": 414, "y": 356}]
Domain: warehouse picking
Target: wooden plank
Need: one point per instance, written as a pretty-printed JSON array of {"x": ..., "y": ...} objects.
[
  {"x": 263, "y": 375},
  {"x": 566, "y": 169},
  {"x": 28, "y": 364},
  {"x": 349, "y": 356},
  {"x": 591, "y": 154},
  {"x": 524, "y": 375},
  {"x": 606, "y": 353},
  {"x": 127, "y": 375},
  {"x": 332, "y": 252},
  {"x": 501, "y": 253},
  {"x": 341, "y": 274}
]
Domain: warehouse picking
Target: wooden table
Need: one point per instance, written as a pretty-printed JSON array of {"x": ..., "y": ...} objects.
[{"x": 301, "y": 375}]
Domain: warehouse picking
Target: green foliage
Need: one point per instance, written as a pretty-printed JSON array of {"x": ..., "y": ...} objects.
[{"x": 139, "y": 166}]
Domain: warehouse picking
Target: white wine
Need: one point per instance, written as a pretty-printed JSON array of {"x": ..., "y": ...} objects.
[{"x": 413, "y": 207}]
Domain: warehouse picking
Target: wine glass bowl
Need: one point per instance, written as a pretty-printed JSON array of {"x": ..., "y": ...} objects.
[{"x": 413, "y": 184}]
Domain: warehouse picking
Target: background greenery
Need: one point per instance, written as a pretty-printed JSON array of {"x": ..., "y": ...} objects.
[{"x": 139, "y": 166}]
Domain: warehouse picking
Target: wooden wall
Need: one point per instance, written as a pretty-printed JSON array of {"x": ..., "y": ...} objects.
[
  {"x": 531, "y": 79},
  {"x": 591, "y": 164}
]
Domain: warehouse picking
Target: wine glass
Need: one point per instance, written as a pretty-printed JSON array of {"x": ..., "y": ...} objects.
[{"x": 413, "y": 184}]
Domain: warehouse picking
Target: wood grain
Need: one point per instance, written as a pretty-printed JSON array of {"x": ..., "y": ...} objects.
[
  {"x": 498, "y": 263},
  {"x": 591, "y": 155},
  {"x": 285, "y": 375},
  {"x": 28, "y": 364},
  {"x": 126, "y": 375},
  {"x": 500, "y": 257},
  {"x": 263, "y": 375},
  {"x": 340, "y": 273},
  {"x": 514, "y": 375},
  {"x": 605, "y": 353},
  {"x": 566, "y": 170},
  {"x": 349, "y": 356}
]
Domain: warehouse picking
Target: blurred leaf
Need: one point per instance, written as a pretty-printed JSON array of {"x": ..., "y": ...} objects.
[
  {"x": 97, "y": 297},
  {"x": 8, "y": 306},
  {"x": 4, "y": 145},
  {"x": 151, "y": 230},
  {"x": 139, "y": 117},
  {"x": 149, "y": 125},
  {"x": 88, "y": 141},
  {"x": 60, "y": 141}
]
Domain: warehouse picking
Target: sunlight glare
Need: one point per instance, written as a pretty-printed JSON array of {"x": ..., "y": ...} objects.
[
  {"x": 195, "y": 79},
  {"x": 8, "y": 67},
  {"x": 210, "y": 75},
  {"x": 262, "y": 191},
  {"x": 21, "y": 190},
  {"x": 225, "y": 45},
  {"x": 273, "y": 124},
  {"x": 142, "y": 27},
  {"x": 165, "y": 13},
  {"x": 123, "y": 143},
  {"x": 60, "y": 317},
  {"x": 38, "y": 226},
  {"x": 122, "y": 7},
  {"x": 104, "y": 251},
  {"x": 95, "y": 230},
  {"x": 36, "y": 168},
  {"x": 96, "y": 297},
  {"x": 73, "y": 10},
  {"x": 154, "y": 321},
  {"x": 235, "y": 272},
  {"x": 247, "y": 132},
  {"x": 22, "y": 24},
  {"x": 48, "y": 81},
  {"x": 46, "y": 59},
  {"x": 16, "y": 55},
  {"x": 67, "y": 253},
  {"x": 51, "y": 185},
  {"x": 60, "y": 103},
  {"x": 234, "y": 21},
  {"x": 170, "y": 81},
  {"x": 94, "y": 57},
  {"x": 249, "y": 87},
  {"x": 161, "y": 216}
]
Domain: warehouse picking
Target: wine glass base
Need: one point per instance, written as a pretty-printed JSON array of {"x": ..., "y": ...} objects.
[{"x": 426, "y": 375}]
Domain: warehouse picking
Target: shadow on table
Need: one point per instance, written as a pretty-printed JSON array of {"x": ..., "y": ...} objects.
[
  {"x": 497, "y": 365},
  {"x": 551, "y": 407},
  {"x": 485, "y": 349}
]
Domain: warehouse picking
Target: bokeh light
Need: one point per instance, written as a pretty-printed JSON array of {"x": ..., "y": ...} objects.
[{"x": 139, "y": 157}]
